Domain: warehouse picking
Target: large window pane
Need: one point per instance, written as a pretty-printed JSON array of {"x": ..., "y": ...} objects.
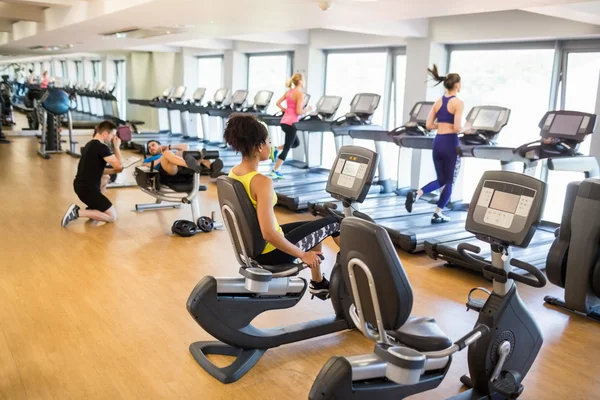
[
  {"x": 268, "y": 72},
  {"x": 518, "y": 79},
  {"x": 397, "y": 107},
  {"x": 348, "y": 74},
  {"x": 580, "y": 95},
  {"x": 210, "y": 75},
  {"x": 72, "y": 71},
  {"x": 582, "y": 85}
]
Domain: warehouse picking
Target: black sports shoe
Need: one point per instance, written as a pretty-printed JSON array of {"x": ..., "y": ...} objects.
[
  {"x": 71, "y": 215},
  {"x": 319, "y": 289},
  {"x": 215, "y": 168},
  {"x": 439, "y": 218},
  {"x": 411, "y": 197}
]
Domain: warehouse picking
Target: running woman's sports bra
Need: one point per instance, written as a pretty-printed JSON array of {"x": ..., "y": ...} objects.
[{"x": 443, "y": 115}]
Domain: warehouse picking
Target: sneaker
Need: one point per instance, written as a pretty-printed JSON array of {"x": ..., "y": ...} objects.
[
  {"x": 319, "y": 289},
  {"x": 273, "y": 154},
  {"x": 215, "y": 168},
  {"x": 71, "y": 215},
  {"x": 411, "y": 197},
  {"x": 439, "y": 218},
  {"x": 276, "y": 175}
]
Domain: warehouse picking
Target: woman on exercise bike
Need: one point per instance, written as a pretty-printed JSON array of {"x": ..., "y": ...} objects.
[
  {"x": 294, "y": 99},
  {"x": 287, "y": 242},
  {"x": 445, "y": 117}
]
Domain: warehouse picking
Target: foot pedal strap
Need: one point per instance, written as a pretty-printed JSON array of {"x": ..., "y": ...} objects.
[{"x": 477, "y": 303}]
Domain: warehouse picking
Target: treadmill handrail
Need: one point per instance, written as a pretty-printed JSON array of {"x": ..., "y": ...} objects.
[{"x": 586, "y": 164}]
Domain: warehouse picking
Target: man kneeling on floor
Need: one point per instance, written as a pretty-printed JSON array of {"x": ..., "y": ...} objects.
[
  {"x": 89, "y": 183},
  {"x": 172, "y": 167}
]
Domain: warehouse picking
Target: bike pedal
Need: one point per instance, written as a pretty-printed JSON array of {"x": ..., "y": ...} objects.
[{"x": 508, "y": 385}]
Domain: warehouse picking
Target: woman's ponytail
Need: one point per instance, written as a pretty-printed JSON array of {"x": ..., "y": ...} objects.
[
  {"x": 294, "y": 80},
  {"x": 435, "y": 75}
]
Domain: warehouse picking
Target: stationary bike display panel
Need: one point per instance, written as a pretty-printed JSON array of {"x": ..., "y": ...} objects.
[
  {"x": 506, "y": 208},
  {"x": 353, "y": 172}
]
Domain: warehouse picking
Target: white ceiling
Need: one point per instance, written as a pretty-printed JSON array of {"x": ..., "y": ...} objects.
[{"x": 30, "y": 23}]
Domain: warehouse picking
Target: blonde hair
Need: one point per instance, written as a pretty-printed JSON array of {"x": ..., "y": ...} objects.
[{"x": 294, "y": 80}]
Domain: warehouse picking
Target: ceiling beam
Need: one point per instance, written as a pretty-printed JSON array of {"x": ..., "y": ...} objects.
[
  {"x": 21, "y": 12},
  {"x": 43, "y": 3}
]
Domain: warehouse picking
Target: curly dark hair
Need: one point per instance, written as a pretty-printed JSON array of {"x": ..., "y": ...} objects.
[{"x": 245, "y": 133}]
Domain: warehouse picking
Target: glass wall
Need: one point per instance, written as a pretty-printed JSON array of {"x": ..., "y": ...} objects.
[
  {"x": 210, "y": 75},
  {"x": 268, "y": 72},
  {"x": 519, "y": 79},
  {"x": 347, "y": 74}
]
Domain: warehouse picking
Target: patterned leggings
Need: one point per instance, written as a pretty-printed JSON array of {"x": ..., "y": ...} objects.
[{"x": 305, "y": 235}]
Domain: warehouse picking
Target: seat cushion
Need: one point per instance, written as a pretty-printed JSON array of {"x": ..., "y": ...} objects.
[
  {"x": 422, "y": 334},
  {"x": 276, "y": 269}
]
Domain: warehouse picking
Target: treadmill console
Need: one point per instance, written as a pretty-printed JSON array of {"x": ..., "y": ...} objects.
[
  {"x": 178, "y": 93},
  {"x": 239, "y": 98},
  {"x": 263, "y": 98},
  {"x": 364, "y": 103},
  {"x": 328, "y": 106},
  {"x": 420, "y": 112},
  {"x": 353, "y": 173},
  {"x": 198, "y": 95},
  {"x": 569, "y": 125},
  {"x": 220, "y": 95},
  {"x": 506, "y": 208},
  {"x": 488, "y": 118}
]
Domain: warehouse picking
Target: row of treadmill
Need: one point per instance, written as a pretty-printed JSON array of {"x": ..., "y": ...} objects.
[{"x": 561, "y": 133}]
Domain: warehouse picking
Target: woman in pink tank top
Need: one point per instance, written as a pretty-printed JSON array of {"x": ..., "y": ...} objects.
[{"x": 294, "y": 99}]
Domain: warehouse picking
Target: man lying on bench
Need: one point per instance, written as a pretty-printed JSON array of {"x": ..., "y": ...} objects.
[{"x": 172, "y": 167}]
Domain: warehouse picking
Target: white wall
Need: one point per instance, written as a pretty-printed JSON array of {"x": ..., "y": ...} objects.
[
  {"x": 505, "y": 26},
  {"x": 330, "y": 39}
]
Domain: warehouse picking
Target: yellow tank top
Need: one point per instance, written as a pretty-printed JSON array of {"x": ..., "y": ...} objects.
[{"x": 245, "y": 180}]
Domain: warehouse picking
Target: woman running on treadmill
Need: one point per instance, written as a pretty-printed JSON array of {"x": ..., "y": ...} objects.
[
  {"x": 445, "y": 117},
  {"x": 44, "y": 81},
  {"x": 294, "y": 99},
  {"x": 287, "y": 242}
]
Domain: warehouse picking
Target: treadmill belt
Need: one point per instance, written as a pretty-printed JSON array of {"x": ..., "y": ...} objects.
[
  {"x": 535, "y": 254},
  {"x": 410, "y": 232}
]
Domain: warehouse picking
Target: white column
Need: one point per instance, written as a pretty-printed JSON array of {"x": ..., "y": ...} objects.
[{"x": 421, "y": 54}]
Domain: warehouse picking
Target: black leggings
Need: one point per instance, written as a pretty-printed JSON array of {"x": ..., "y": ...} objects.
[
  {"x": 291, "y": 140},
  {"x": 304, "y": 235}
]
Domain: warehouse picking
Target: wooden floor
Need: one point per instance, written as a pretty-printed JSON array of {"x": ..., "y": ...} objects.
[{"x": 99, "y": 312}]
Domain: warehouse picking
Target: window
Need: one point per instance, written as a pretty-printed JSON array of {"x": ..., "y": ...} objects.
[
  {"x": 210, "y": 75},
  {"x": 37, "y": 70},
  {"x": 268, "y": 72},
  {"x": 116, "y": 76},
  {"x": 80, "y": 77},
  {"x": 398, "y": 84},
  {"x": 519, "y": 79},
  {"x": 72, "y": 72},
  {"x": 347, "y": 74},
  {"x": 581, "y": 87},
  {"x": 88, "y": 72},
  {"x": 57, "y": 71},
  {"x": 97, "y": 66}
]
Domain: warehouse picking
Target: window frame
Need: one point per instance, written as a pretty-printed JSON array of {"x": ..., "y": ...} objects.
[
  {"x": 211, "y": 56},
  {"x": 288, "y": 54}
]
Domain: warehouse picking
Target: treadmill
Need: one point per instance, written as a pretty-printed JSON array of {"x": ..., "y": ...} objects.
[
  {"x": 392, "y": 197},
  {"x": 311, "y": 173},
  {"x": 410, "y": 231},
  {"x": 362, "y": 108},
  {"x": 273, "y": 122},
  {"x": 561, "y": 134},
  {"x": 196, "y": 107}
]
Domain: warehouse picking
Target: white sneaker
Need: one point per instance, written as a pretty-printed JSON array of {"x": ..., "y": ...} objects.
[{"x": 71, "y": 215}]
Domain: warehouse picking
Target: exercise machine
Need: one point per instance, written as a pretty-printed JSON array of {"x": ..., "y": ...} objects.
[
  {"x": 561, "y": 133},
  {"x": 174, "y": 194},
  {"x": 574, "y": 259},
  {"x": 412, "y": 355},
  {"x": 226, "y": 307},
  {"x": 362, "y": 108},
  {"x": 54, "y": 104}
]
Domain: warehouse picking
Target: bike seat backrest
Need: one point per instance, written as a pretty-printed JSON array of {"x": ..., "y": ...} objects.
[
  {"x": 249, "y": 240},
  {"x": 371, "y": 244},
  {"x": 556, "y": 263}
]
